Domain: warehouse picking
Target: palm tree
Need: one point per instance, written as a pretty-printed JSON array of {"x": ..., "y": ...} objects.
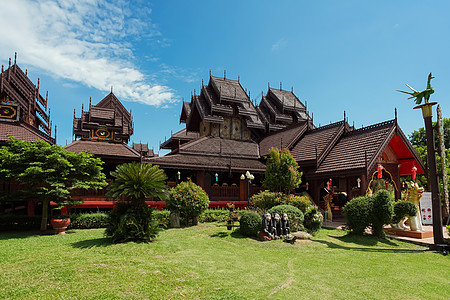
[{"x": 137, "y": 181}]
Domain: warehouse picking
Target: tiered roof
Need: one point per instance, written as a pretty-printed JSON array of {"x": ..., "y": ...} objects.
[
  {"x": 106, "y": 121},
  {"x": 23, "y": 110}
]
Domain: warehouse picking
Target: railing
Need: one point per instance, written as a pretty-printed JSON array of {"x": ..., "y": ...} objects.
[{"x": 224, "y": 193}]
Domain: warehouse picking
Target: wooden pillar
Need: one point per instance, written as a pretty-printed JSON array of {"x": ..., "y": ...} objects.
[
  {"x": 364, "y": 184},
  {"x": 30, "y": 208},
  {"x": 315, "y": 191},
  {"x": 243, "y": 190},
  {"x": 201, "y": 178}
]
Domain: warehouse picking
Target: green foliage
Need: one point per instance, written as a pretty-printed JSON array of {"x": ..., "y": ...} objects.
[
  {"x": 48, "y": 172},
  {"x": 10, "y": 222},
  {"x": 313, "y": 220},
  {"x": 403, "y": 209},
  {"x": 162, "y": 217},
  {"x": 214, "y": 215},
  {"x": 249, "y": 223},
  {"x": 282, "y": 174},
  {"x": 267, "y": 199},
  {"x": 188, "y": 199},
  {"x": 356, "y": 213},
  {"x": 88, "y": 220},
  {"x": 130, "y": 223},
  {"x": 137, "y": 181},
  {"x": 295, "y": 215},
  {"x": 419, "y": 137},
  {"x": 382, "y": 211}
]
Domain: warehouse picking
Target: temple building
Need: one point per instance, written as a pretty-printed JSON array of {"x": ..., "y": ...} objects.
[
  {"x": 25, "y": 115},
  {"x": 226, "y": 135}
]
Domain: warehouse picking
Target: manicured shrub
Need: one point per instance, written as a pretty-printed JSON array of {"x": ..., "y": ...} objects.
[
  {"x": 88, "y": 220},
  {"x": 403, "y": 209},
  {"x": 295, "y": 215},
  {"x": 267, "y": 199},
  {"x": 214, "y": 215},
  {"x": 301, "y": 202},
  {"x": 313, "y": 220},
  {"x": 382, "y": 210},
  {"x": 130, "y": 223},
  {"x": 249, "y": 223},
  {"x": 162, "y": 217},
  {"x": 356, "y": 213},
  {"x": 189, "y": 200}
]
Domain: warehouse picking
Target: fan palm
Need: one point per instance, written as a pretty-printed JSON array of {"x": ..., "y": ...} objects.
[{"x": 137, "y": 181}]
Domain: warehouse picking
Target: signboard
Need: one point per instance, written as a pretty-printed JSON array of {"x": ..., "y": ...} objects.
[{"x": 426, "y": 209}]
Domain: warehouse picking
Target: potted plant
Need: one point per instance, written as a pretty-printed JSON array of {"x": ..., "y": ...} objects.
[{"x": 60, "y": 224}]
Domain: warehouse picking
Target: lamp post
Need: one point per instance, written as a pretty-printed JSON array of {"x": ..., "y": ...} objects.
[
  {"x": 249, "y": 177},
  {"x": 427, "y": 114}
]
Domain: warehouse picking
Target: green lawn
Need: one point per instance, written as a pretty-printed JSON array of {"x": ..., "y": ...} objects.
[{"x": 207, "y": 261}]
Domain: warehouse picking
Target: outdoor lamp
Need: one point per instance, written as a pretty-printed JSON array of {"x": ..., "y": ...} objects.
[
  {"x": 242, "y": 177},
  {"x": 179, "y": 175},
  {"x": 359, "y": 182},
  {"x": 217, "y": 177},
  {"x": 380, "y": 171},
  {"x": 414, "y": 172},
  {"x": 307, "y": 185}
]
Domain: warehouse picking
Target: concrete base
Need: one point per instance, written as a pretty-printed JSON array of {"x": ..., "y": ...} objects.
[{"x": 409, "y": 233}]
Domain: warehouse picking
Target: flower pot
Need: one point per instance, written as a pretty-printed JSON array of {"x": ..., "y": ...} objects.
[{"x": 60, "y": 225}]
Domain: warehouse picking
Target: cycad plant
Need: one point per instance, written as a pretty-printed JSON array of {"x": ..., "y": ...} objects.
[{"x": 133, "y": 221}]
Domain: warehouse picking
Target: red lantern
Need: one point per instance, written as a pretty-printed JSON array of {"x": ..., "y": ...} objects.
[
  {"x": 380, "y": 171},
  {"x": 414, "y": 172}
]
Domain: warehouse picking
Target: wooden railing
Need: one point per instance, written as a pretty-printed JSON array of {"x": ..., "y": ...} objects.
[{"x": 224, "y": 193}]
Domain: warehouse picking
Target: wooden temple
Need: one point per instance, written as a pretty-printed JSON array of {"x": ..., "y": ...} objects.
[{"x": 25, "y": 115}]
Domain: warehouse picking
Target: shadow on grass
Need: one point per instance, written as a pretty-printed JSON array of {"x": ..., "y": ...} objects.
[
  {"x": 366, "y": 241},
  {"x": 86, "y": 244},
  {"x": 17, "y": 234},
  {"x": 234, "y": 234}
]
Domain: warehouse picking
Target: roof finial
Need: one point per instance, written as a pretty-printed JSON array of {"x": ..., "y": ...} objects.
[
  {"x": 10, "y": 62},
  {"x": 292, "y": 89},
  {"x": 280, "y": 85},
  {"x": 90, "y": 102},
  {"x": 209, "y": 72},
  {"x": 249, "y": 94},
  {"x": 111, "y": 88},
  {"x": 82, "y": 107},
  {"x": 395, "y": 113},
  {"x": 224, "y": 74},
  {"x": 344, "y": 115},
  {"x": 55, "y": 134},
  {"x": 353, "y": 124},
  {"x": 268, "y": 85},
  {"x": 239, "y": 78},
  {"x": 15, "y": 58},
  {"x": 74, "y": 113},
  {"x": 46, "y": 100},
  {"x": 202, "y": 82},
  {"x": 26, "y": 72}
]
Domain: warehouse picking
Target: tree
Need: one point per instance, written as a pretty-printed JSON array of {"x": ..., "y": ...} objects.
[
  {"x": 282, "y": 174},
  {"x": 48, "y": 172},
  {"x": 132, "y": 220}
]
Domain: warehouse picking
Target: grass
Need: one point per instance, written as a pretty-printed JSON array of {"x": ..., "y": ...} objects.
[{"x": 209, "y": 262}]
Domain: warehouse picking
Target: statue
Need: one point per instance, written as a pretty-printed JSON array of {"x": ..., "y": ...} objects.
[
  {"x": 423, "y": 94},
  {"x": 285, "y": 225},
  {"x": 277, "y": 225},
  {"x": 267, "y": 230},
  {"x": 413, "y": 194}
]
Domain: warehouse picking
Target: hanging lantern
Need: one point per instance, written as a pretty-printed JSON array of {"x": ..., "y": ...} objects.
[
  {"x": 358, "y": 181},
  {"x": 329, "y": 184},
  {"x": 307, "y": 185},
  {"x": 217, "y": 177},
  {"x": 179, "y": 175},
  {"x": 414, "y": 172},
  {"x": 380, "y": 171}
]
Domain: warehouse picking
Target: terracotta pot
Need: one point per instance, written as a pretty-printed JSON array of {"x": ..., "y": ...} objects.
[{"x": 60, "y": 225}]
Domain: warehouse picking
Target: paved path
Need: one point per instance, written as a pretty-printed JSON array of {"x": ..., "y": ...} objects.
[{"x": 425, "y": 242}]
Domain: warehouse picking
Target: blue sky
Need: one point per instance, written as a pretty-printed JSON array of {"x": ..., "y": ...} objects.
[{"x": 337, "y": 55}]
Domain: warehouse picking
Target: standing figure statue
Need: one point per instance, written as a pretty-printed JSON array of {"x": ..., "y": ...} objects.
[
  {"x": 267, "y": 229},
  {"x": 285, "y": 225},
  {"x": 277, "y": 225},
  {"x": 413, "y": 194}
]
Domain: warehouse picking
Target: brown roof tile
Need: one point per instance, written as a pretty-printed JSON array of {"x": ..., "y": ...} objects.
[
  {"x": 219, "y": 146},
  {"x": 282, "y": 139},
  {"x": 22, "y": 132},
  {"x": 100, "y": 148},
  {"x": 351, "y": 150},
  {"x": 320, "y": 138}
]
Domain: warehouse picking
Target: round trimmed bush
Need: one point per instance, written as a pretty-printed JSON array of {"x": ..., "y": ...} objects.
[
  {"x": 249, "y": 223},
  {"x": 313, "y": 220},
  {"x": 189, "y": 200},
  {"x": 295, "y": 215},
  {"x": 403, "y": 209},
  {"x": 356, "y": 213},
  {"x": 381, "y": 212}
]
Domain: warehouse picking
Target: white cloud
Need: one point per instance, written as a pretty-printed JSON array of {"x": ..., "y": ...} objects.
[
  {"x": 281, "y": 43},
  {"x": 87, "y": 41}
]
